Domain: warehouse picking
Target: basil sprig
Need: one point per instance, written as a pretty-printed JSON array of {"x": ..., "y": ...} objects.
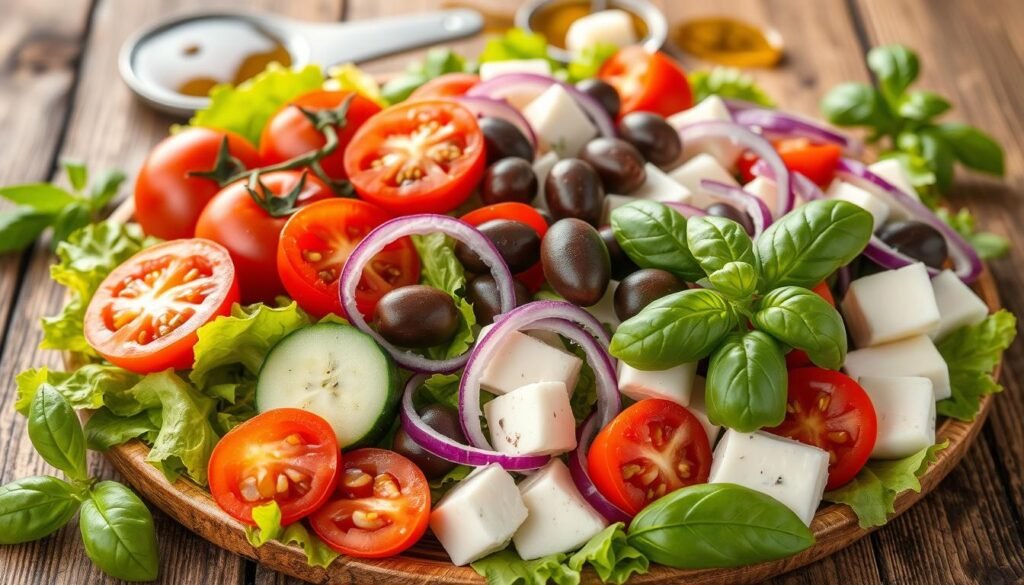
[{"x": 764, "y": 284}]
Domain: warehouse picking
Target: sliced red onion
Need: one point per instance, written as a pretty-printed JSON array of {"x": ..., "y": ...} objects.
[
  {"x": 752, "y": 204},
  {"x": 804, "y": 188},
  {"x": 736, "y": 106},
  {"x": 410, "y": 225},
  {"x": 775, "y": 124},
  {"x": 484, "y": 107},
  {"x": 504, "y": 86},
  {"x": 581, "y": 475},
  {"x": 450, "y": 450},
  {"x": 686, "y": 209}
]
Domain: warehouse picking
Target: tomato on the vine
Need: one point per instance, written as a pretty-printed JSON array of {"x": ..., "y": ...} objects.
[
  {"x": 445, "y": 86},
  {"x": 648, "y": 82},
  {"x": 532, "y": 277}
]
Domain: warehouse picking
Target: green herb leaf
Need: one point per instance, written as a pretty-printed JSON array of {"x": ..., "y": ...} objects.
[
  {"x": 987, "y": 244},
  {"x": 83, "y": 388},
  {"x": 441, "y": 269},
  {"x": 515, "y": 44},
  {"x": 799, "y": 318},
  {"x": 728, "y": 83},
  {"x": 117, "y": 530},
  {"x": 653, "y": 235},
  {"x": 268, "y": 527},
  {"x": 856, "y": 104},
  {"x": 586, "y": 64},
  {"x": 939, "y": 155},
  {"x": 20, "y": 227},
  {"x": 440, "y": 486},
  {"x": 971, "y": 353},
  {"x": 746, "y": 383},
  {"x": 70, "y": 219},
  {"x": 973, "y": 148},
  {"x": 45, "y": 198},
  {"x": 105, "y": 188},
  {"x": 104, "y": 429},
  {"x": 896, "y": 67},
  {"x": 612, "y": 557},
  {"x": 34, "y": 507},
  {"x": 78, "y": 174},
  {"x": 440, "y": 61},
  {"x": 717, "y": 241},
  {"x": 400, "y": 88},
  {"x": 716, "y": 526},
  {"x": 736, "y": 280},
  {"x": 56, "y": 433},
  {"x": 922, "y": 106},
  {"x": 348, "y": 76},
  {"x": 506, "y": 568}
]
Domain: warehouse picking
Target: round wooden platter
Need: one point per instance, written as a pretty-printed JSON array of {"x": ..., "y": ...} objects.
[{"x": 835, "y": 526}]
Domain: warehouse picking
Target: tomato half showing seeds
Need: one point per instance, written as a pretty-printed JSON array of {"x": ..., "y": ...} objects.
[
  {"x": 829, "y": 410},
  {"x": 145, "y": 314},
  {"x": 650, "y": 449},
  {"x": 817, "y": 162},
  {"x": 417, "y": 157},
  {"x": 380, "y": 509},
  {"x": 286, "y": 455},
  {"x": 648, "y": 82},
  {"x": 532, "y": 277},
  {"x": 315, "y": 244}
]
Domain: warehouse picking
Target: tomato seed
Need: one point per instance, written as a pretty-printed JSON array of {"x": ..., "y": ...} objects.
[
  {"x": 385, "y": 486},
  {"x": 282, "y": 484},
  {"x": 311, "y": 256},
  {"x": 838, "y": 436},
  {"x": 630, "y": 469},
  {"x": 367, "y": 520},
  {"x": 248, "y": 490},
  {"x": 296, "y": 476},
  {"x": 684, "y": 470},
  {"x": 824, "y": 401},
  {"x": 355, "y": 478},
  {"x": 293, "y": 439}
]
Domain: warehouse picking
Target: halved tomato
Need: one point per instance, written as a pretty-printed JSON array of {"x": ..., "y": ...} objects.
[
  {"x": 648, "y": 82},
  {"x": 532, "y": 277},
  {"x": 381, "y": 507},
  {"x": 444, "y": 86},
  {"x": 145, "y": 314},
  {"x": 316, "y": 242},
  {"x": 286, "y": 455},
  {"x": 417, "y": 157},
  {"x": 817, "y": 162},
  {"x": 650, "y": 449}
]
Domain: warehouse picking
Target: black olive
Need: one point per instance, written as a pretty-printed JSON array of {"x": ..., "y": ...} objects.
[
  {"x": 509, "y": 179},
  {"x": 622, "y": 266},
  {"x": 517, "y": 243},
  {"x": 573, "y": 189},
  {"x": 643, "y": 287},
  {"x": 729, "y": 212},
  {"x": 917, "y": 240},
  {"x": 416, "y": 316},
  {"x": 482, "y": 293},
  {"x": 576, "y": 262},
  {"x": 653, "y": 137},
  {"x": 442, "y": 419},
  {"x": 619, "y": 164},
  {"x": 502, "y": 139},
  {"x": 603, "y": 93}
]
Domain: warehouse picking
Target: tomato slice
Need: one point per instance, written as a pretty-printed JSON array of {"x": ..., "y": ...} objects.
[
  {"x": 381, "y": 507},
  {"x": 316, "y": 242},
  {"x": 831, "y": 411},
  {"x": 532, "y": 277},
  {"x": 817, "y": 162},
  {"x": 445, "y": 86},
  {"x": 145, "y": 314},
  {"x": 650, "y": 449},
  {"x": 797, "y": 358},
  {"x": 417, "y": 157},
  {"x": 287, "y": 455},
  {"x": 649, "y": 82}
]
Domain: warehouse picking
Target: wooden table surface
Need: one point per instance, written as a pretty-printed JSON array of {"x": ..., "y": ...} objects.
[{"x": 60, "y": 96}]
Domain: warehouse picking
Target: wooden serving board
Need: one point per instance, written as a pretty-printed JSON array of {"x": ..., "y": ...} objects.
[{"x": 835, "y": 526}]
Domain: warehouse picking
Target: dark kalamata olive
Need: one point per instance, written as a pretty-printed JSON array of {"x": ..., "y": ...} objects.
[
  {"x": 622, "y": 266},
  {"x": 573, "y": 189},
  {"x": 603, "y": 93},
  {"x": 482, "y": 292},
  {"x": 917, "y": 240},
  {"x": 643, "y": 287},
  {"x": 619, "y": 164},
  {"x": 517, "y": 243},
  {"x": 442, "y": 419},
  {"x": 575, "y": 261},
  {"x": 502, "y": 139},
  {"x": 509, "y": 179},
  {"x": 652, "y": 136},
  {"x": 729, "y": 212},
  {"x": 416, "y": 316}
]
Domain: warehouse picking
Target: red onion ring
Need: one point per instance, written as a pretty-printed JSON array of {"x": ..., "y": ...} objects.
[
  {"x": 685, "y": 209},
  {"x": 421, "y": 224},
  {"x": 736, "y": 106},
  {"x": 752, "y": 204},
  {"x": 581, "y": 475},
  {"x": 498, "y": 108},
  {"x": 778, "y": 124},
  {"x": 804, "y": 188}
]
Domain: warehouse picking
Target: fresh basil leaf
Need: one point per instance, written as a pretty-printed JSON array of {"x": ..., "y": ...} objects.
[
  {"x": 105, "y": 188},
  {"x": 612, "y": 557},
  {"x": 987, "y": 244},
  {"x": 973, "y": 148},
  {"x": 515, "y": 44},
  {"x": 729, "y": 83},
  {"x": 939, "y": 155},
  {"x": 917, "y": 168},
  {"x": 34, "y": 507},
  {"x": 56, "y": 433},
  {"x": 400, "y": 88},
  {"x": 971, "y": 354},
  {"x": 505, "y": 567},
  {"x": 42, "y": 197},
  {"x": 20, "y": 227},
  {"x": 856, "y": 104},
  {"x": 717, "y": 241},
  {"x": 799, "y": 318},
  {"x": 440, "y": 61},
  {"x": 896, "y": 67},
  {"x": 268, "y": 527},
  {"x": 922, "y": 106},
  {"x": 811, "y": 242},
  {"x": 679, "y": 328},
  {"x": 117, "y": 530},
  {"x": 653, "y": 235},
  {"x": 717, "y": 526},
  {"x": 736, "y": 280},
  {"x": 70, "y": 219},
  {"x": 78, "y": 174},
  {"x": 746, "y": 383},
  {"x": 587, "y": 63}
]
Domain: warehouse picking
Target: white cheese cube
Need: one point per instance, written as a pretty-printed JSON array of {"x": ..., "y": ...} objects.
[
  {"x": 522, "y": 360},
  {"x": 890, "y": 305},
  {"x": 612, "y": 27},
  {"x": 559, "y": 519},
  {"x": 698, "y": 410},
  {"x": 611, "y": 203},
  {"x": 478, "y": 516},
  {"x": 535, "y": 419},
  {"x": 559, "y": 122},
  {"x": 787, "y": 470},
  {"x": 692, "y": 172},
  {"x": 541, "y": 167},
  {"x": 660, "y": 187},
  {"x": 866, "y": 200},
  {"x": 915, "y": 356},
  {"x": 958, "y": 305},
  {"x": 492, "y": 69},
  {"x": 675, "y": 384},
  {"x": 764, "y": 189},
  {"x": 604, "y": 310},
  {"x": 710, "y": 109},
  {"x": 548, "y": 337},
  {"x": 892, "y": 171},
  {"x": 905, "y": 409}
]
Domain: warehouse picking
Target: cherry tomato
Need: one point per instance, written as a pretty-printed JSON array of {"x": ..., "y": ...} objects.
[
  {"x": 817, "y": 162},
  {"x": 168, "y": 195},
  {"x": 445, "y": 86},
  {"x": 650, "y": 449},
  {"x": 237, "y": 222},
  {"x": 417, "y": 157},
  {"x": 532, "y": 277},
  {"x": 649, "y": 82},
  {"x": 287, "y": 455},
  {"x": 745, "y": 164},
  {"x": 381, "y": 507},
  {"x": 289, "y": 133},
  {"x": 797, "y": 358},
  {"x": 315, "y": 244},
  {"x": 829, "y": 410}
]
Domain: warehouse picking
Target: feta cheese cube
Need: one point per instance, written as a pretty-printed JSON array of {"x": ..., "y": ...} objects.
[
  {"x": 478, "y": 516},
  {"x": 613, "y": 27},
  {"x": 698, "y": 410},
  {"x": 660, "y": 187},
  {"x": 492, "y": 69},
  {"x": 541, "y": 167},
  {"x": 535, "y": 419},
  {"x": 765, "y": 190},
  {"x": 548, "y": 337},
  {"x": 675, "y": 384},
  {"x": 710, "y": 109},
  {"x": 522, "y": 360},
  {"x": 559, "y": 519},
  {"x": 892, "y": 171},
  {"x": 862, "y": 198},
  {"x": 787, "y": 470},
  {"x": 604, "y": 310},
  {"x": 958, "y": 305},
  {"x": 905, "y": 409},
  {"x": 559, "y": 122},
  {"x": 890, "y": 305},
  {"x": 611, "y": 203},
  {"x": 914, "y": 356},
  {"x": 692, "y": 172}
]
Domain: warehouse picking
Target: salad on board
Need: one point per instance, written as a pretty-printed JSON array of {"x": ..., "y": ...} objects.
[{"x": 597, "y": 315}]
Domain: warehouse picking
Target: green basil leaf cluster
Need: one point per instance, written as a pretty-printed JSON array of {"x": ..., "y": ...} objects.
[{"x": 729, "y": 83}]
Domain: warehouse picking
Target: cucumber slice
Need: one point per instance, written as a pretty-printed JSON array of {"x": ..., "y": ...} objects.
[{"x": 337, "y": 372}]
